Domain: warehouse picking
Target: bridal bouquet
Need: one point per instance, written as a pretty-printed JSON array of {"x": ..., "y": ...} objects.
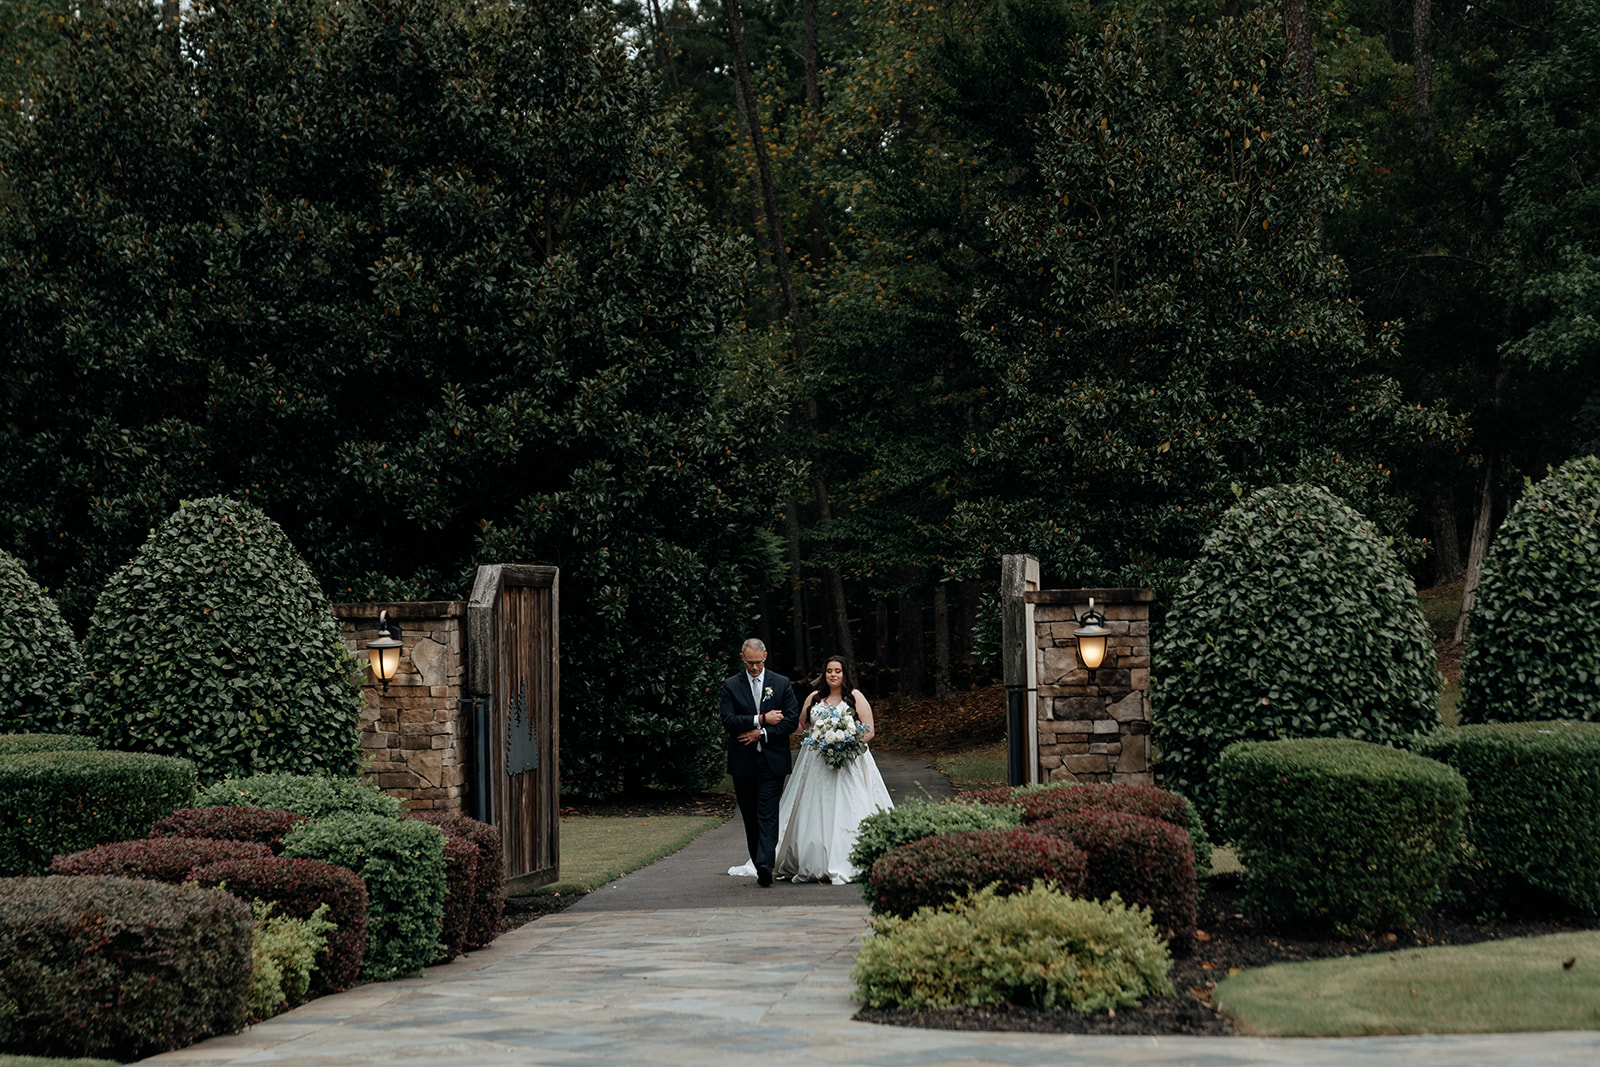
[{"x": 836, "y": 733}]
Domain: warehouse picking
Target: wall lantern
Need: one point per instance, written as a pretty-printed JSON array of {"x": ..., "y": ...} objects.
[
  {"x": 384, "y": 650},
  {"x": 1091, "y": 635}
]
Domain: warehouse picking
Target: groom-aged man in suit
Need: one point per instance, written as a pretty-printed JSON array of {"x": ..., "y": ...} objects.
[{"x": 760, "y": 712}]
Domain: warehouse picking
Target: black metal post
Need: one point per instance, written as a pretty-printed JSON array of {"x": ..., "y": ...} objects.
[
  {"x": 1016, "y": 743},
  {"x": 481, "y": 807}
]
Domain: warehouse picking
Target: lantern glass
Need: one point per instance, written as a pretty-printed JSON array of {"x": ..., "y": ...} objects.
[
  {"x": 384, "y": 654},
  {"x": 1092, "y": 650}
]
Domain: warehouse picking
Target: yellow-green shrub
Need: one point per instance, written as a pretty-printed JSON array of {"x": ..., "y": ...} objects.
[
  {"x": 1040, "y": 948},
  {"x": 284, "y": 950}
]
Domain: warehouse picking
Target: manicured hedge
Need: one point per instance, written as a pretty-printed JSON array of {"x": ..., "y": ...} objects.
[
  {"x": 315, "y": 796},
  {"x": 916, "y": 819},
  {"x": 266, "y": 826},
  {"x": 934, "y": 871},
  {"x": 1040, "y": 802},
  {"x": 297, "y": 887},
  {"x": 402, "y": 862},
  {"x": 1040, "y": 948},
  {"x": 160, "y": 859},
  {"x": 1340, "y": 834},
  {"x": 489, "y": 894},
  {"x": 53, "y": 803},
  {"x": 17, "y": 744},
  {"x": 119, "y": 967},
  {"x": 41, "y": 667},
  {"x": 1534, "y": 822},
  {"x": 1145, "y": 861},
  {"x": 460, "y": 880}
]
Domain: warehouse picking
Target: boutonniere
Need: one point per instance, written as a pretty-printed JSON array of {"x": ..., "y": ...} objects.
[{"x": 768, "y": 694}]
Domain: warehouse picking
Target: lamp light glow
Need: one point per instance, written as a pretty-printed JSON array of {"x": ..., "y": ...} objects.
[
  {"x": 383, "y": 651},
  {"x": 1091, "y": 637}
]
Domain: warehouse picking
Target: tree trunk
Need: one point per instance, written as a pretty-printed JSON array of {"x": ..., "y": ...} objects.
[
  {"x": 799, "y": 644},
  {"x": 1422, "y": 80},
  {"x": 1446, "y": 539},
  {"x": 815, "y": 220},
  {"x": 169, "y": 13},
  {"x": 1479, "y": 548},
  {"x": 941, "y": 642},
  {"x": 882, "y": 649},
  {"x": 1297, "y": 27},
  {"x": 664, "y": 47},
  {"x": 910, "y": 640}
]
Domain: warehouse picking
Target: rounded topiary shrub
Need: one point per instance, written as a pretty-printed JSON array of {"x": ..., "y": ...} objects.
[
  {"x": 315, "y": 796},
  {"x": 932, "y": 872},
  {"x": 260, "y": 825},
  {"x": 17, "y": 744},
  {"x": 160, "y": 859},
  {"x": 489, "y": 880},
  {"x": 1144, "y": 861},
  {"x": 916, "y": 819},
  {"x": 41, "y": 668},
  {"x": 216, "y": 644},
  {"x": 1040, "y": 949},
  {"x": 1534, "y": 627},
  {"x": 1296, "y": 620}
]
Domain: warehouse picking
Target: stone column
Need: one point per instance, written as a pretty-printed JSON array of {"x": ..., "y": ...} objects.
[
  {"x": 1093, "y": 726},
  {"x": 417, "y": 742}
]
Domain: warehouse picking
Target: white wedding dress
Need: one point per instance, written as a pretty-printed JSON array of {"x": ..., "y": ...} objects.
[{"x": 820, "y": 812}]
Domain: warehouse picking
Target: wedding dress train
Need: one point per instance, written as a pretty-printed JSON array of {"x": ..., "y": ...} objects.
[{"x": 819, "y": 815}]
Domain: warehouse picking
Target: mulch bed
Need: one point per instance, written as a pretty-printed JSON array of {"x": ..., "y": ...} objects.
[{"x": 1230, "y": 942}]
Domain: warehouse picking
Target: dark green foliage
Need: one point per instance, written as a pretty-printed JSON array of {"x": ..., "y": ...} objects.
[
  {"x": 1341, "y": 835},
  {"x": 117, "y": 967},
  {"x": 41, "y": 668},
  {"x": 402, "y": 863},
  {"x": 313, "y": 795},
  {"x": 17, "y": 744},
  {"x": 916, "y": 819},
  {"x": 1162, "y": 322},
  {"x": 160, "y": 859},
  {"x": 1534, "y": 650},
  {"x": 54, "y": 803},
  {"x": 423, "y": 281},
  {"x": 489, "y": 898},
  {"x": 1296, "y": 621},
  {"x": 297, "y": 888},
  {"x": 1534, "y": 818},
  {"x": 216, "y": 644},
  {"x": 262, "y": 825},
  {"x": 1145, "y": 861},
  {"x": 934, "y": 871}
]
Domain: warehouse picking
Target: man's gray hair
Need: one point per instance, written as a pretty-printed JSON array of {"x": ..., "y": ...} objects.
[{"x": 753, "y": 642}]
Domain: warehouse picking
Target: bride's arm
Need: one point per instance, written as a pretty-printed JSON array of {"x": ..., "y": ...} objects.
[
  {"x": 864, "y": 713},
  {"x": 805, "y": 715}
]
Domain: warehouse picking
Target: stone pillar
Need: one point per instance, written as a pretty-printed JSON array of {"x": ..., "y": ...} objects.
[
  {"x": 417, "y": 741},
  {"x": 1093, "y": 726}
]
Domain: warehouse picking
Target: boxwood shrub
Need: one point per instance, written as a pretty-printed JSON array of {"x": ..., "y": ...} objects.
[
  {"x": 460, "y": 882},
  {"x": 1145, "y": 861},
  {"x": 42, "y": 674},
  {"x": 489, "y": 880},
  {"x": 265, "y": 826},
  {"x": 402, "y": 863},
  {"x": 297, "y": 888},
  {"x": 1040, "y": 948},
  {"x": 1342, "y": 835},
  {"x": 283, "y": 952},
  {"x": 53, "y": 803},
  {"x": 916, "y": 819},
  {"x": 18, "y": 744},
  {"x": 216, "y": 643},
  {"x": 160, "y": 859},
  {"x": 936, "y": 870},
  {"x": 313, "y": 795},
  {"x": 1296, "y": 620},
  {"x": 1534, "y": 823},
  {"x": 1534, "y": 629},
  {"x": 119, "y": 967}
]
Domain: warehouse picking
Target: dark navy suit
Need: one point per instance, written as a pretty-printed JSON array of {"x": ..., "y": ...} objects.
[{"x": 758, "y": 774}]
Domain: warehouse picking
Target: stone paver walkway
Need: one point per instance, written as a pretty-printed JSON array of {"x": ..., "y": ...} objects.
[{"x": 693, "y": 967}]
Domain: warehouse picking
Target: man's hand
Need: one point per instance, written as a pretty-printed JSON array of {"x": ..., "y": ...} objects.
[
  {"x": 749, "y": 737},
  {"x": 772, "y": 718}
]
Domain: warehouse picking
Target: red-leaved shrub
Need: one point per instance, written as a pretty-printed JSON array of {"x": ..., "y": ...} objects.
[
  {"x": 999, "y": 795},
  {"x": 295, "y": 888},
  {"x": 1038, "y": 805},
  {"x": 489, "y": 897},
  {"x": 1145, "y": 861},
  {"x": 460, "y": 879},
  {"x": 936, "y": 870},
  {"x": 118, "y": 967},
  {"x": 263, "y": 825},
  {"x": 159, "y": 859}
]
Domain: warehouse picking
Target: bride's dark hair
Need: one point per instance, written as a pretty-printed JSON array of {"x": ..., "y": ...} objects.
[{"x": 847, "y": 684}]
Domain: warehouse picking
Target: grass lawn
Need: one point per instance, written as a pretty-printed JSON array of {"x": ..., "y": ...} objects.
[
  {"x": 978, "y": 767},
  {"x": 1515, "y": 985},
  {"x": 596, "y": 850}
]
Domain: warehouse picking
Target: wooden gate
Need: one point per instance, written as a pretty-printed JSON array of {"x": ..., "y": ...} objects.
[{"x": 513, "y": 673}]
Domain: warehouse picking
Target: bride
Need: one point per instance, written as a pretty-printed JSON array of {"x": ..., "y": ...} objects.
[{"x": 822, "y": 806}]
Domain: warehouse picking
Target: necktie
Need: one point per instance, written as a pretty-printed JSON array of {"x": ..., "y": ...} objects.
[{"x": 755, "y": 695}]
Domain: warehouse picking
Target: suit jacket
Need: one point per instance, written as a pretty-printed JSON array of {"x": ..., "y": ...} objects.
[{"x": 739, "y": 713}]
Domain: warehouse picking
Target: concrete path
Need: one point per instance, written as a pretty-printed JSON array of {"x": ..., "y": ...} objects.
[{"x": 681, "y": 964}]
